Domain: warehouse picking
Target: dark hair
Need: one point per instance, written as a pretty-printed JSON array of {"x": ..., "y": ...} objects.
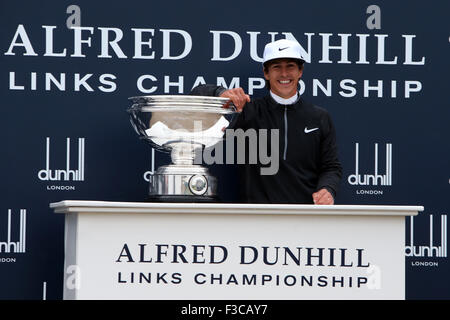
[{"x": 266, "y": 66}]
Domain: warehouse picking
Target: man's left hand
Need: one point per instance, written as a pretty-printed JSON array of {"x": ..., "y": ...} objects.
[{"x": 323, "y": 196}]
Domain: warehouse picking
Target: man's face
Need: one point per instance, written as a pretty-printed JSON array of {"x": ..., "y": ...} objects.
[{"x": 283, "y": 76}]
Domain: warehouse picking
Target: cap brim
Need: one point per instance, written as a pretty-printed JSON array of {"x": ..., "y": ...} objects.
[{"x": 301, "y": 60}]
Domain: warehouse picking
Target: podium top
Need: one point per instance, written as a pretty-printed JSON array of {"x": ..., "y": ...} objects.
[{"x": 81, "y": 206}]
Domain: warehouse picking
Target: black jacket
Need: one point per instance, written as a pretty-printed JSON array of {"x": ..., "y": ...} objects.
[{"x": 308, "y": 158}]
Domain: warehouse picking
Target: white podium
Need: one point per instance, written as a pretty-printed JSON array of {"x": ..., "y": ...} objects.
[{"x": 204, "y": 251}]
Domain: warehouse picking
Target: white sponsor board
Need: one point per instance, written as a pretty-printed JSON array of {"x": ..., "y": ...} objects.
[{"x": 233, "y": 251}]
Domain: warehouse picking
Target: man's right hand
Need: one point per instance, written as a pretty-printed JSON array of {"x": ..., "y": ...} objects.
[{"x": 237, "y": 96}]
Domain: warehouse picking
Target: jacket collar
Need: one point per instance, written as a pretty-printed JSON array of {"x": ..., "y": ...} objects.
[
  {"x": 274, "y": 103},
  {"x": 284, "y": 101}
]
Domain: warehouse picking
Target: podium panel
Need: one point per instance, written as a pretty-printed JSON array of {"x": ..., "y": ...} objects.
[{"x": 189, "y": 251}]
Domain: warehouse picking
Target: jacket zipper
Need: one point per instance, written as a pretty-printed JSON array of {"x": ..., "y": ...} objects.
[{"x": 285, "y": 133}]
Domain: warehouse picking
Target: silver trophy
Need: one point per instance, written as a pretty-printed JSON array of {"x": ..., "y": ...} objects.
[{"x": 183, "y": 126}]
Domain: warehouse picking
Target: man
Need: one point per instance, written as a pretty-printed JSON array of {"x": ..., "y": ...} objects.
[{"x": 309, "y": 169}]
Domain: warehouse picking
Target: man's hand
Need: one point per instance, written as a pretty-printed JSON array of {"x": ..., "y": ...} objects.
[
  {"x": 237, "y": 96},
  {"x": 323, "y": 196}
]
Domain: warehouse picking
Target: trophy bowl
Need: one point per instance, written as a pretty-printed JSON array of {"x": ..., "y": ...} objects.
[{"x": 183, "y": 126}]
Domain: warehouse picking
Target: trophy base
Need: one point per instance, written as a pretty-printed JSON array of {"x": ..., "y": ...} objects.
[
  {"x": 182, "y": 184},
  {"x": 183, "y": 198}
]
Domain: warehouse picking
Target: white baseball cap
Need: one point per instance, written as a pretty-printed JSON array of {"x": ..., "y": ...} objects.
[{"x": 283, "y": 48}]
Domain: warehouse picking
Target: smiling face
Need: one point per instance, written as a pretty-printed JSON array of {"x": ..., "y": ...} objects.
[{"x": 283, "y": 76}]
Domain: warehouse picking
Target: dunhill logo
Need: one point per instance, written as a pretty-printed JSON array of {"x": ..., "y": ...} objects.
[
  {"x": 431, "y": 250},
  {"x": 19, "y": 246},
  {"x": 61, "y": 174},
  {"x": 375, "y": 178}
]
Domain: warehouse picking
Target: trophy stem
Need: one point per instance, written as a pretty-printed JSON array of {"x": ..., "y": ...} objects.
[{"x": 183, "y": 153}]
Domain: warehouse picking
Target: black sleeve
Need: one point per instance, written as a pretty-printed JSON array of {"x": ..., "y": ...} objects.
[
  {"x": 207, "y": 90},
  {"x": 330, "y": 167}
]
